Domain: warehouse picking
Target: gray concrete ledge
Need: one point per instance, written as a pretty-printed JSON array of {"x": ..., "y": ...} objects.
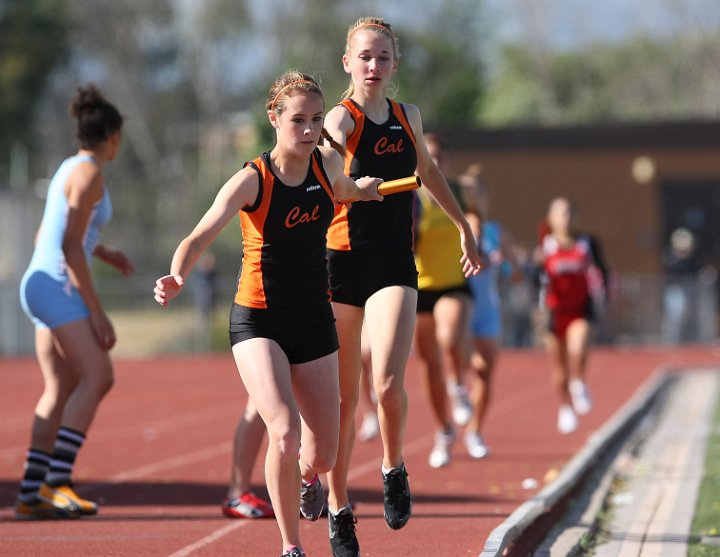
[{"x": 520, "y": 521}]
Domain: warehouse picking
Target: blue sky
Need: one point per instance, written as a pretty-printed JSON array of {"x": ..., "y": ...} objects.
[{"x": 570, "y": 23}]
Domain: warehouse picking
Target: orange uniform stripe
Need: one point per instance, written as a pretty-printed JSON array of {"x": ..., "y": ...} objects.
[
  {"x": 322, "y": 177},
  {"x": 400, "y": 115},
  {"x": 250, "y": 283},
  {"x": 339, "y": 233}
]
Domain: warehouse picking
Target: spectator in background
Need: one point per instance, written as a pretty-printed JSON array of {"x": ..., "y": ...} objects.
[
  {"x": 680, "y": 266},
  {"x": 204, "y": 289},
  {"x": 204, "y": 285},
  {"x": 518, "y": 298}
]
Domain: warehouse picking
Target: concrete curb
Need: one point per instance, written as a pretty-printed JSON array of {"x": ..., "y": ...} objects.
[{"x": 504, "y": 535}]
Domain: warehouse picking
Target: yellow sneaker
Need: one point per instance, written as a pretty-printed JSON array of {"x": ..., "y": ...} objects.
[
  {"x": 42, "y": 510},
  {"x": 64, "y": 496}
]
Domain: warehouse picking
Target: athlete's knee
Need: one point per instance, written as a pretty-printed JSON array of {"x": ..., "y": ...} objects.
[
  {"x": 51, "y": 404},
  {"x": 58, "y": 393},
  {"x": 348, "y": 405},
  {"x": 324, "y": 458},
  {"x": 390, "y": 392},
  {"x": 482, "y": 370},
  {"x": 286, "y": 440},
  {"x": 447, "y": 337},
  {"x": 103, "y": 382},
  {"x": 96, "y": 386},
  {"x": 107, "y": 383}
]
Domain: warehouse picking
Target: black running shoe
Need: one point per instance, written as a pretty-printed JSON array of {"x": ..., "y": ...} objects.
[
  {"x": 343, "y": 541},
  {"x": 293, "y": 553},
  {"x": 397, "y": 500}
]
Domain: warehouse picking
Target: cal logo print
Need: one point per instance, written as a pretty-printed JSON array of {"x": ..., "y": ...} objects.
[
  {"x": 384, "y": 146},
  {"x": 396, "y": 127},
  {"x": 313, "y": 188},
  {"x": 297, "y": 216}
]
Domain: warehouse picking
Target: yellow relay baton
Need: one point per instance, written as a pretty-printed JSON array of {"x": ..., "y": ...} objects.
[
  {"x": 396, "y": 186},
  {"x": 402, "y": 184}
]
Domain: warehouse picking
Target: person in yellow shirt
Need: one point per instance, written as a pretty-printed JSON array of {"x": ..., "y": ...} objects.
[{"x": 443, "y": 309}]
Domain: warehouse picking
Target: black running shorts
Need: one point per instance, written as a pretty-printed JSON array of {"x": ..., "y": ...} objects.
[
  {"x": 428, "y": 298},
  {"x": 357, "y": 275},
  {"x": 304, "y": 334}
]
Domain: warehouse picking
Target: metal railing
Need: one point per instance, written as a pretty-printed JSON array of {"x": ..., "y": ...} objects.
[{"x": 661, "y": 310}]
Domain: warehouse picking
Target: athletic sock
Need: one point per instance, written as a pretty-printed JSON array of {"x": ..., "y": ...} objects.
[
  {"x": 67, "y": 445},
  {"x": 37, "y": 464},
  {"x": 341, "y": 509},
  {"x": 315, "y": 479}
]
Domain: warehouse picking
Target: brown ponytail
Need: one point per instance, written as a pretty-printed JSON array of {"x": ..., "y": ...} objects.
[
  {"x": 334, "y": 144},
  {"x": 288, "y": 83}
]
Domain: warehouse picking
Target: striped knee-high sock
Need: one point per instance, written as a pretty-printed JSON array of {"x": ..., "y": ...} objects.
[
  {"x": 37, "y": 464},
  {"x": 67, "y": 445}
]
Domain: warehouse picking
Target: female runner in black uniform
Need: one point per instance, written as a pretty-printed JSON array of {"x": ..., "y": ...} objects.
[
  {"x": 372, "y": 270},
  {"x": 282, "y": 328}
]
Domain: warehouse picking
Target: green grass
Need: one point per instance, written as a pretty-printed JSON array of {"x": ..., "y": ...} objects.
[
  {"x": 147, "y": 333},
  {"x": 707, "y": 511}
]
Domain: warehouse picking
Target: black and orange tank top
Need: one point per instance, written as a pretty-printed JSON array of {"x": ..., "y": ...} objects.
[
  {"x": 284, "y": 234},
  {"x": 384, "y": 151}
]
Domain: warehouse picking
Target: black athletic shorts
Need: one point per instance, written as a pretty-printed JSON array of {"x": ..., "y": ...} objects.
[
  {"x": 428, "y": 298},
  {"x": 304, "y": 334},
  {"x": 357, "y": 275}
]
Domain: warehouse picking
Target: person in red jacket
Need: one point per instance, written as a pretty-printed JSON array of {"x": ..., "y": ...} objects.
[{"x": 573, "y": 289}]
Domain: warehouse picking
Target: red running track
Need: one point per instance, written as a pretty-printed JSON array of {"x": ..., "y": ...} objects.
[{"x": 158, "y": 459}]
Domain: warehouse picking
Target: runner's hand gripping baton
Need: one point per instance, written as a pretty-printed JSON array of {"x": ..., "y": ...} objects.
[
  {"x": 396, "y": 186},
  {"x": 402, "y": 184}
]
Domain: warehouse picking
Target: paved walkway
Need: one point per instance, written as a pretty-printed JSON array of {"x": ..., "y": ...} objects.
[{"x": 652, "y": 515}]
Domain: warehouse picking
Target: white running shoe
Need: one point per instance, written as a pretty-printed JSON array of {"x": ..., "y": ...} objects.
[
  {"x": 440, "y": 455},
  {"x": 475, "y": 445},
  {"x": 581, "y": 400},
  {"x": 567, "y": 421},
  {"x": 370, "y": 427},
  {"x": 461, "y": 408}
]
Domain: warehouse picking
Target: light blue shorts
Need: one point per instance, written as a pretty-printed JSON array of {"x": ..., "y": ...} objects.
[
  {"x": 50, "y": 303},
  {"x": 486, "y": 320}
]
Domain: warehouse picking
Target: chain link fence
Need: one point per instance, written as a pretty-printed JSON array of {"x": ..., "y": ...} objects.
[{"x": 642, "y": 310}]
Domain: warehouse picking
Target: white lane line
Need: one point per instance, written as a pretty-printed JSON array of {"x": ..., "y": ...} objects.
[
  {"x": 218, "y": 412},
  {"x": 210, "y": 538},
  {"x": 162, "y": 465},
  {"x": 175, "y": 462},
  {"x": 355, "y": 472},
  {"x": 150, "y": 429}
]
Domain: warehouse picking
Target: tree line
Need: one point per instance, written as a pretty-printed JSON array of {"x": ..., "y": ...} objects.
[{"x": 191, "y": 78}]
